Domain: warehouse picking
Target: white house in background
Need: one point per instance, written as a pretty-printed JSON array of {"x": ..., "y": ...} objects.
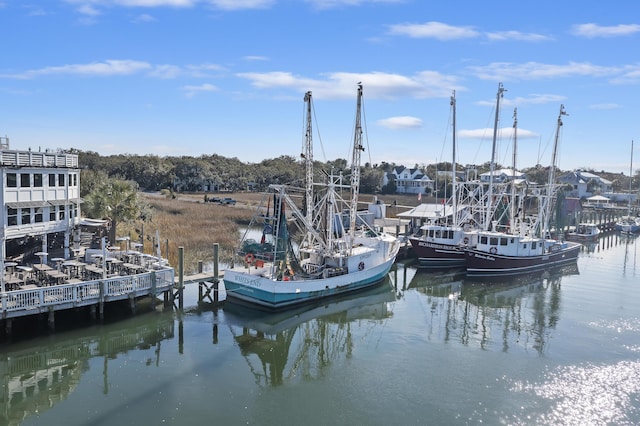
[
  {"x": 503, "y": 175},
  {"x": 580, "y": 182},
  {"x": 40, "y": 197},
  {"x": 409, "y": 181}
]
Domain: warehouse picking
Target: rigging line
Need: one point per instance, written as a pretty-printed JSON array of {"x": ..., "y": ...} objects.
[
  {"x": 317, "y": 129},
  {"x": 446, "y": 133},
  {"x": 366, "y": 132},
  {"x": 484, "y": 134}
]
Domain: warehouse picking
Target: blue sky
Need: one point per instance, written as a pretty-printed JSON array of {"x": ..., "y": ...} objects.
[{"x": 193, "y": 77}]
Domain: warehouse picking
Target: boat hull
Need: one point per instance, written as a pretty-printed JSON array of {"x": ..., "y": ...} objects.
[
  {"x": 436, "y": 255},
  {"x": 249, "y": 286},
  {"x": 482, "y": 263}
]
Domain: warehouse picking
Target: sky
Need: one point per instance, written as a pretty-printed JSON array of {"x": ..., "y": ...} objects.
[{"x": 228, "y": 77}]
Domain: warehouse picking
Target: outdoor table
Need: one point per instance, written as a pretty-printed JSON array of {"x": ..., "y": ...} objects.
[
  {"x": 74, "y": 267},
  {"x": 56, "y": 276},
  {"x": 41, "y": 268},
  {"x": 13, "y": 283}
]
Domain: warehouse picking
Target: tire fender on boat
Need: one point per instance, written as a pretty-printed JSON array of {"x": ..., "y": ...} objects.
[
  {"x": 466, "y": 240},
  {"x": 249, "y": 258},
  {"x": 361, "y": 266},
  {"x": 493, "y": 250}
]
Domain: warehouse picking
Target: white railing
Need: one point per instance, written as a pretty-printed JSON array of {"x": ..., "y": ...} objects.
[{"x": 88, "y": 292}]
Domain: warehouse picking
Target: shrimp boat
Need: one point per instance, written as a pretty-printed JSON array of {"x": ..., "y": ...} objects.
[
  {"x": 313, "y": 243},
  {"x": 525, "y": 248}
]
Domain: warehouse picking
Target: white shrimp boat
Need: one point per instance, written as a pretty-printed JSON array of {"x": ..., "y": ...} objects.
[{"x": 336, "y": 251}]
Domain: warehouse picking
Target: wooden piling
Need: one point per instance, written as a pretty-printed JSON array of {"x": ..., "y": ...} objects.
[
  {"x": 180, "y": 277},
  {"x": 216, "y": 279}
]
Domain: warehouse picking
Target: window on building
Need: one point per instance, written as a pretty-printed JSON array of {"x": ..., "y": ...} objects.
[
  {"x": 25, "y": 180},
  {"x": 61, "y": 214},
  {"x": 52, "y": 213},
  {"x": 75, "y": 179},
  {"x": 38, "y": 216},
  {"x": 12, "y": 216},
  {"x": 52, "y": 180},
  {"x": 26, "y": 216},
  {"x": 60, "y": 179},
  {"x": 37, "y": 180},
  {"x": 12, "y": 180}
]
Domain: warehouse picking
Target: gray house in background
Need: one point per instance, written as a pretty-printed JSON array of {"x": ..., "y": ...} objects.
[{"x": 580, "y": 182}]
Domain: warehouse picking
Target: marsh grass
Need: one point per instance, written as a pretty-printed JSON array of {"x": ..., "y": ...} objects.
[
  {"x": 187, "y": 221},
  {"x": 190, "y": 223}
]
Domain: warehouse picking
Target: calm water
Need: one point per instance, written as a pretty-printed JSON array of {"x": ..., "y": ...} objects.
[{"x": 423, "y": 348}]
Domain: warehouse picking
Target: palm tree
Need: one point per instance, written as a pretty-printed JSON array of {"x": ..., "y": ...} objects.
[{"x": 116, "y": 200}]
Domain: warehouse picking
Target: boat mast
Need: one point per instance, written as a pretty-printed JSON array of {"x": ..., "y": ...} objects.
[
  {"x": 308, "y": 160},
  {"x": 512, "y": 218},
  {"x": 552, "y": 175},
  {"x": 492, "y": 165},
  {"x": 630, "y": 182},
  {"x": 355, "y": 165},
  {"x": 453, "y": 161}
]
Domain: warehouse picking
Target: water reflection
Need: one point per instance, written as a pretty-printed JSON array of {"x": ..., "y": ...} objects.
[
  {"x": 305, "y": 341},
  {"x": 36, "y": 376},
  {"x": 502, "y": 312}
]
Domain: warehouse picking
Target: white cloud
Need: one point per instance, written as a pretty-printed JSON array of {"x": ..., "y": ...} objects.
[
  {"x": 332, "y": 4},
  {"x": 191, "y": 91},
  {"x": 437, "y": 30},
  {"x": 120, "y": 67},
  {"x": 594, "y": 30},
  {"x": 533, "y": 99},
  {"x": 105, "y": 68},
  {"x": 604, "y": 106},
  {"x": 504, "y": 132},
  {"x": 341, "y": 85},
  {"x": 88, "y": 10},
  {"x": 255, "y": 58},
  {"x": 507, "y": 71},
  {"x": 516, "y": 35},
  {"x": 143, "y": 18},
  {"x": 403, "y": 122},
  {"x": 241, "y": 4}
]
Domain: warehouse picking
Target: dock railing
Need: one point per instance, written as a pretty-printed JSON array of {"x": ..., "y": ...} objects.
[{"x": 66, "y": 296}]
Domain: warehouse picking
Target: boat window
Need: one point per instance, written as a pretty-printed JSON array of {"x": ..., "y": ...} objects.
[
  {"x": 430, "y": 233},
  {"x": 483, "y": 240},
  {"x": 533, "y": 245},
  {"x": 503, "y": 241},
  {"x": 524, "y": 246},
  {"x": 493, "y": 241},
  {"x": 437, "y": 233}
]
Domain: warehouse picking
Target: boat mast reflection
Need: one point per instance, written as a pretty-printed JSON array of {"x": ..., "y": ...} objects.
[
  {"x": 510, "y": 311},
  {"x": 304, "y": 341}
]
